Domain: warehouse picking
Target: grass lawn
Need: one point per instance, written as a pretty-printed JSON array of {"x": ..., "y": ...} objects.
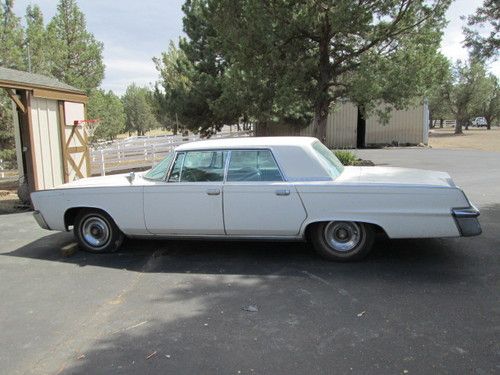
[{"x": 474, "y": 138}]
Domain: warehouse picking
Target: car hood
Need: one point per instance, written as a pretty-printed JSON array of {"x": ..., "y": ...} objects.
[
  {"x": 395, "y": 176},
  {"x": 101, "y": 181}
]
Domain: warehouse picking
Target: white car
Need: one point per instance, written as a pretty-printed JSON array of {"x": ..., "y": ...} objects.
[
  {"x": 479, "y": 122},
  {"x": 287, "y": 188}
]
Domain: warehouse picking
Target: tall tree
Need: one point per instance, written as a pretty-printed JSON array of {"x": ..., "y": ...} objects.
[
  {"x": 76, "y": 54},
  {"x": 108, "y": 109},
  {"x": 11, "y": 37},
  {"x": 488, "y": 100},
  {"x": 482, "y": 34},
  {"x": 11, "y": 56},
  {"x": 37, "y": 56},
  {"x": 139, "y": 116},
  {"x": 314, "y": 49},
  {"x": 463, "y": 91}
]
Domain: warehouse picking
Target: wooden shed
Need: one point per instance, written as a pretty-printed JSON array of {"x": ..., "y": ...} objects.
[{"x": 51, "y": 142}]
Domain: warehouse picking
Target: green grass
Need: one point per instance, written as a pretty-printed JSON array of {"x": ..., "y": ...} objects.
[{"x": 346, "y": 157}]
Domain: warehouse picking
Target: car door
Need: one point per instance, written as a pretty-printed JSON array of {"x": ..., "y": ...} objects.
[
  {"x": 257, "y": 200},
  {"x": 189, "y": 200}
]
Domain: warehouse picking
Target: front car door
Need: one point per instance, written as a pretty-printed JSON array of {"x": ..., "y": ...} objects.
[
  {"x": 257, "y": 199},
  {"x": 189, "y": 200}
]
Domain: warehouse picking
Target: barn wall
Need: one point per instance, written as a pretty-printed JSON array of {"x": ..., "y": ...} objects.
[
  {"x": 405, "y": 126},
  {"x": 47, "y": 143}
]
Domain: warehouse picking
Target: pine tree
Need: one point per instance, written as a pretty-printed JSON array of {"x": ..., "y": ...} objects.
[
  {"x": 37, "y": 56},
  {"x": 76, "y": 54}
]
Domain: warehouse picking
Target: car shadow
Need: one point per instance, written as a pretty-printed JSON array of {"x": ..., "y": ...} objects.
[{"x": 431, "y": 259}]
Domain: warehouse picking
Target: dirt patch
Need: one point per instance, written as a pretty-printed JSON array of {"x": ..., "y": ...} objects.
[
  {"x": 9, "y": 201},
  {"x": 474, "y": 139}
]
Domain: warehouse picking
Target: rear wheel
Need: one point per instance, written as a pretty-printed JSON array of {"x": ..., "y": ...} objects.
[
  {"x": 342, "y": 240},
  {"x": 96, "y": 232}
]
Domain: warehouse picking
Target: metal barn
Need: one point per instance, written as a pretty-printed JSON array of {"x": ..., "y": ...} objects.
[
  {"x": 347, "y": 129},
  {"x": 51, "y": 144}
]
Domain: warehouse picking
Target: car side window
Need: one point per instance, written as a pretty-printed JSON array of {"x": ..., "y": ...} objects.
[
  {"x": 253, "y": 165},
  {"x": 203, "y": 166}
]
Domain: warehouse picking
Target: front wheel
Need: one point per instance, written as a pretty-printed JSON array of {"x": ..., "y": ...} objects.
[
  {"x": 342, "y": 241},
  {"x": 96, "y": 232}
]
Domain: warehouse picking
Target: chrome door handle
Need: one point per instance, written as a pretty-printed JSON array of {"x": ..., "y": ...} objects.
[
  {"x": 283, "y": 192},
  {"x": 213, "y": 191}
]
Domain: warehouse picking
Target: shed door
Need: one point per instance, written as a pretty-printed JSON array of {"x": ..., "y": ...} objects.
[{"x": 47, "y": 143}]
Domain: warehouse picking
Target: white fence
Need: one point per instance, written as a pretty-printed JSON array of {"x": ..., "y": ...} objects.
[{"x": 141, "y": 152}]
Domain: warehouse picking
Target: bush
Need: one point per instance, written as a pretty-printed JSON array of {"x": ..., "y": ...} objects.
[
  {"x": 9, "y": 158},
  {"x": 346, "y": 157}
]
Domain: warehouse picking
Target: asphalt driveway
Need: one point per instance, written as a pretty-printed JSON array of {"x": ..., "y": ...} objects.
[{"x": 180, "y": 307}]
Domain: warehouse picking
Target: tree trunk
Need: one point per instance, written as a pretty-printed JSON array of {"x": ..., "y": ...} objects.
[
  {"x": 441, "y": 121},
  {"x": 458, "y": 126},
  {"x": 466, "y": 124},
  {"x": 323, "y": 100},
  {"x": 488, "y": 123},
  {"x": 320, "y": 120},
  {"x": 431, "y": 121}
]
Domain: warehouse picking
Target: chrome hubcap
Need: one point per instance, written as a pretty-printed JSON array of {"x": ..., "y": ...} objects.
[
  {"x": 95, "y": 231},
  {"x": 342, "y": 235}
]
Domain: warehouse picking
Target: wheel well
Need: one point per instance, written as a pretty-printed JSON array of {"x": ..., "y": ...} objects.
[
  {"x": 71, "y": 214},
  {"x": 307, "y": 232}
]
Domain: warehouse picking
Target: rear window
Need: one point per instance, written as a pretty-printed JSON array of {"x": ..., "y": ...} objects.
[{"x": 330, "y": 161}]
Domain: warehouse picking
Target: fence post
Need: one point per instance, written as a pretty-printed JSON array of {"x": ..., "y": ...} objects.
[
  {"x": 2, "y": 174},
  {"x": 103, "y": 170},
  {"x": 154, "y": 153},
  {"x": 118, "y": 153}
]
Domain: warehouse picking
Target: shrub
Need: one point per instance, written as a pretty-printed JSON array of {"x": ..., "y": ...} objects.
[
  {"x": 346, "y": 157},
  {"x": 9, "y": 158}
]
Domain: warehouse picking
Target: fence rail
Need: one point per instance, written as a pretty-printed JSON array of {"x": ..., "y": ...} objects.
[{"x": 141, "y": 152}]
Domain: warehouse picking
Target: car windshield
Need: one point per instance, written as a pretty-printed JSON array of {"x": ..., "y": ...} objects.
[
  {"x": 159, "y": 172},
  {"x": 334, "y": 166}
]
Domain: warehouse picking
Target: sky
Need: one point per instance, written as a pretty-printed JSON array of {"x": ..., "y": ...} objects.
[{"x": 133, "y": 32}]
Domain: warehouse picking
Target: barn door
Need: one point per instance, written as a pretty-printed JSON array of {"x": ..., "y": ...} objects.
[
  {"x": 46, "y": 143},
  {"x": 76, "y": 150}
]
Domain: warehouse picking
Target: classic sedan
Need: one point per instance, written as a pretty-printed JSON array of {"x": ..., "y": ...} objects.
[{"x": 274, "y": 188}]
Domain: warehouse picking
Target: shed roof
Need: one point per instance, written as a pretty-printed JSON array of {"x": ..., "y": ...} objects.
[{"x": 13, "y": 78}]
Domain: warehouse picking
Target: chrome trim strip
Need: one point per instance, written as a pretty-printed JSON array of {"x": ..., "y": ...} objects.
[{"x": 465, "y": 212}]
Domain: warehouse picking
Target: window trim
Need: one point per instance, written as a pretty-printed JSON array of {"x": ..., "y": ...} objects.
[
  {"x": 226, "y": 165},
  {"x": 177, "y": 153}
]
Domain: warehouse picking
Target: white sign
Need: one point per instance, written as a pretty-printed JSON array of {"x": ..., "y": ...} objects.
[{"x": 73, "y": 112}]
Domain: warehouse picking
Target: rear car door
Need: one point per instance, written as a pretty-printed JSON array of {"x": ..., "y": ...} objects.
[{"x": 257, "y": 199}]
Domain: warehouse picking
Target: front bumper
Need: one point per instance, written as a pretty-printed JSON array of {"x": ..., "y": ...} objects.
[
  {"x": 40, "y": 220},
  {"x": 467, "y": 222}
]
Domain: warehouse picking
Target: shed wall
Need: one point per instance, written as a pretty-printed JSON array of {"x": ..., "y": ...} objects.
[
  {"x": 341, "y": 128},
  {"x": 404, "y": 126},
  {"x": 47, "y": 143}
]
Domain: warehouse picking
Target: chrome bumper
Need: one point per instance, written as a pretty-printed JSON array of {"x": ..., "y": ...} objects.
[
  {"x": 466, "y": 220},
  {"x": 40, "y": 220}
]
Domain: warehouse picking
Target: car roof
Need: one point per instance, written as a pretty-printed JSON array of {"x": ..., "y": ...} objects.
[{"x": 246, "y": 142}]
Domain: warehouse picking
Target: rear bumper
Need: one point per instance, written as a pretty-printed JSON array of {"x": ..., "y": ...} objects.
[
  {"x": 40, "y": 220},
  {"x": 466, "y": 221}
]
